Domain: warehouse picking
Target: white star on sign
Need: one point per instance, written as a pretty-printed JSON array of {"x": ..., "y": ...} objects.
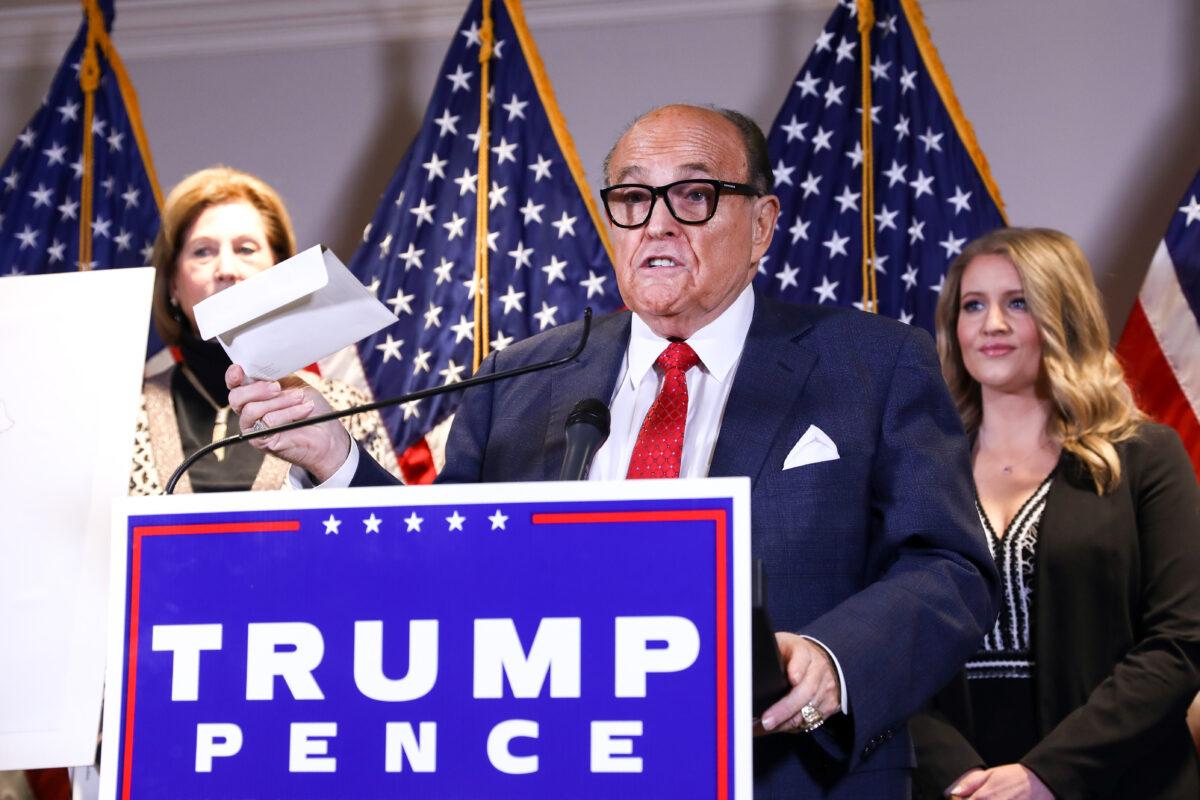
[
  {"x": 498, "y": 519},
  {"x": 555, "y": 270},
  {"x": 545, "y": 317},
  {"x": 826, "y": 291},
  {"x": 461, "y": 79},
  {"x": 413, "y": 522},
  {"x": 836, "y": 244},
  {"x": 332, "y": 524},
  {"x": 515, "y": 108},
  {"x": 565, "y": 225},
  {"x": 372, "y": 523},
  {"x": 463, "y": 329},
  {"x": 401, "y": 303},
  {"x": 391, "y": 348},
  {"x": 456, "y": 521},
  {"x": 787, "y": 277},
  {"x": 541, "y": 169},
  {"x": 594, "y": 284}
]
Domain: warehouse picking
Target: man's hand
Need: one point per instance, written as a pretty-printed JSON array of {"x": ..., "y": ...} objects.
[
  {"x": 814, "y": 681},
  {"x": 318, "y": 449},
  {"x": 1006, "y": 782}
]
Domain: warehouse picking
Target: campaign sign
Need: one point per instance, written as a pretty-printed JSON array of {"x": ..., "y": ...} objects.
[{"x": 582, "y": 640}]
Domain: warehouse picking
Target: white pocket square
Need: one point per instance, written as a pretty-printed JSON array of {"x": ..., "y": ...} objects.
[{"x": 814, "y": 446}]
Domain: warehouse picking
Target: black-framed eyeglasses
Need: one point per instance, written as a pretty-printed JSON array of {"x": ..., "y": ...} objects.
[{"x": 692, "y": 202}]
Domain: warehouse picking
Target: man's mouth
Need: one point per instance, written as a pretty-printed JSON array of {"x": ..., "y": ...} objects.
[{"x": 660, "y": 261}]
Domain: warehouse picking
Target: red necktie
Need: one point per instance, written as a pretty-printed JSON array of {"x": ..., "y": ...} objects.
[{"x": 659, "y": 446}]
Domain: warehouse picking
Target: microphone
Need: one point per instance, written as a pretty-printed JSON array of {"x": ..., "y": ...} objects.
[
  {"x": 587, "y": 428},
  {"x": 477, "y": 380}
]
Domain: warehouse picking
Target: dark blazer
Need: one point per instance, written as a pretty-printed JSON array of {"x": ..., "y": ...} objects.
[
  {"x": 878, "y": 554},
  {"x": 1116, "y": 636}
]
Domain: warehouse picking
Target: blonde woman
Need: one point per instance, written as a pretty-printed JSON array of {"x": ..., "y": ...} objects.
[
  {"x": 1093, "y": 516},
  {"x": 220, "y": 226}
]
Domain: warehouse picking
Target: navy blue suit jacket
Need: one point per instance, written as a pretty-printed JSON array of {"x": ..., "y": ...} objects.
[{"x": 879, "y": 554}]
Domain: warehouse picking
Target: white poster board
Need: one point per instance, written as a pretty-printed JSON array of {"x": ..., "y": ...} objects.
[{"x": 72, "y": 348}]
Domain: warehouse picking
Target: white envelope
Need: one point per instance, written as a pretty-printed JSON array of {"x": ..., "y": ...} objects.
[
  {"x": 814, "y": 446},
  {"x": 286, "y": 317}
]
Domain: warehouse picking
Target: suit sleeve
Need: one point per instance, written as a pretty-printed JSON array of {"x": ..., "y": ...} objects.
[
  {"x": 466, "y": 445},
  {"x": 934, "y": 587},
  {"x": 1157, "y": 679}
]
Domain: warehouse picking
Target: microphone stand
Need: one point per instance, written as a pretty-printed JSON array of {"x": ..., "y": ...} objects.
[{"x": 407, "y": 398}]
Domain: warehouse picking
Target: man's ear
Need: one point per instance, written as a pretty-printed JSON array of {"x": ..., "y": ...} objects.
[{"x": 766, "y": 211}]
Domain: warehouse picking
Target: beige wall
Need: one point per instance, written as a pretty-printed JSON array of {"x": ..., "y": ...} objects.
[{"x": 1088, "y": 110}]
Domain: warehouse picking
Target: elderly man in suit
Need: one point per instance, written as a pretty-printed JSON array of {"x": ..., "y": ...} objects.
[{"x": 862, "y": 506}]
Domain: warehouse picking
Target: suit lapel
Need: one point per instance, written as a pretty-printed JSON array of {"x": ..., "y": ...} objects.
[
  {"x": 770, "y": 378},
  {"x": 593, "y": 374}
]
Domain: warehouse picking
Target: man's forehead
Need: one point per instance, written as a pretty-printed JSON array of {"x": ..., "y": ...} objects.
[{"x": 682, "y": 142}]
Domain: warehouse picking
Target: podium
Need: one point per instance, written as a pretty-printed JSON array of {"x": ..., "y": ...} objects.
[{"x": 583, "y": 640}]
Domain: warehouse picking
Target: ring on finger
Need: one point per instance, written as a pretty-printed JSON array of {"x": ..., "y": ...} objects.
[
  {"x": 258, "y": 426},
  {"x": 813, "y": 718}
]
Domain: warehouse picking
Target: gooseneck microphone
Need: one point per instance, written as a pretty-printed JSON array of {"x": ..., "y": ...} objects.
[
  {"x": 587, "y": 430},
  {"x": 478, "y": 380}
]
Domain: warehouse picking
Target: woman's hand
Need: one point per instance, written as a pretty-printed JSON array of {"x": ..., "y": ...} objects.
[
  {"x": 814, "y": 682},
  {"x": 318, "y": 449},
  {"x": 1006, "y": 782}
]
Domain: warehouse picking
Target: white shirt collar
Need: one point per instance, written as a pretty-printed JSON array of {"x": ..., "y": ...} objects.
[{"x": 718, "y": 344}]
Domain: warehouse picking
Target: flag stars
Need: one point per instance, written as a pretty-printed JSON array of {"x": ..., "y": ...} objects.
[
  {"x": 811, "y": 185},
  {"x": 922, "y": 184},
  {"x": 69, "y": 210},
  {"x": 833, "y": 95},
  {"x": 401, "y": 303},
  {"x": 461, "y": 79},
  {"x": 391, "y": 349},
  {"x": 931, "y": 140},
  {"x": 454, "y": 228},
  {"x": 41, "y": 196},
  {"x": 10, "y": 181},
  {"x": 909, "y": 277},
  {"x": 565, "y": 225},
  {"x": 795, "y": 129},
  {"x": 545, "y": 317},
  {"x": 98, "y": 126},
  {"x": 541, "y": 168},
  {"x": 109, "y": 184},
  {"x": 472, "y": 35},
  {"x": 452, "y": 373},
  {"x": 823, "y": 41},
  {"x": 512, "y": 300},
  {"x": 435, "y": 167},
  {"x": 455, "y": 521},
  {"x": 521, "y": 255},
  {"x": 906, "y": 317},
  {"x": 515, "y": 108},
  {"x": 421, "y": 361},
  {"x": 961, "y": 200},
  {"x": 807, "y": 84},
  {"x": 594, "y": 284},
  {"x": 532, "y": 211},
  {"x": 937, "y": 287},
  {"x": 131, "y": 196},
  {"x": 1191, "y": 210},
  {"x": 836, "y": 244},
  {"x": 855, "y": 155},
  {"x": 55, "y": 251},
  {"x": 100, "y": 227},
  {"x": 423, "y": 211},
  {"x": 433, "y": 316},
  {"x": 895, "y": 173},
  {"x": 447, "y": 123},
  {"x": 77, "y": 168},
  {"x": 886, "y": 219},
  {"x": 879, "y": 69},
  {"x": 916, "y": 232},
  {"x": 69, "y": 111},
  {"x": 497, "y": 196},
  {"x": 783, "y": 174},
  {"x": 28, "y": 237},
  {"x": 115, "y": 140},
  {"x": 498, "y": 520},
  {"x": 56, "y": 153},
  {"x": 505, "y": 151},
  {"x": 123, "y": 240},
  {"x": 466, "y": 183},
  {"x": 821, "y": 140},
  {"x": 799, "y": 230},
  {"x": 901, "y": 128},
  {"x": 385, "y": 246},
  {"x": 887, "y": 25},
  {"x": 848, "y": 200},
  {"x": 951, "y": 245},
  {"x": 26, "y": 138},
  {"x": 412, "y": 257},
  {"x": 845, "y": 50},
  {"x": 501, "y": 341},
  {"x": 443, "y": 270},
  {"x": 555, "y": 270},
  {"x": 787, "y": 277},
  {"x": 413, "y": 523},
  {"x": 908, "y": 80},
  {"x": 463, "y": 329},
  {"x": 827, "y": 290},
  {"x": 331, "y": 525},
  {"x": 411, "y": 409}
]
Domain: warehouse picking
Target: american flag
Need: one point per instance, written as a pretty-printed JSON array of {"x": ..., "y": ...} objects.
[
  {"x": 546, "y": 256},
  {"x": 1160, "y": 346},
  {"x": 932, "y": 189},
  {"x": 41, "y": 180}
]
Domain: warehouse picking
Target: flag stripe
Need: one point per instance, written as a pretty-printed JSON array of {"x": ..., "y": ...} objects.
[{"x": 1175, "y": 329}]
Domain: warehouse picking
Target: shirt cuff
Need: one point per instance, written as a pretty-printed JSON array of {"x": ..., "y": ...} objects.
[
  {"x": 845, "y": 699},
  {"x": 298, "y": 477}
]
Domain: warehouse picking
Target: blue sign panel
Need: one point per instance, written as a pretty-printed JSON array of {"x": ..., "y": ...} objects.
[{"x": 494, "y": 646}]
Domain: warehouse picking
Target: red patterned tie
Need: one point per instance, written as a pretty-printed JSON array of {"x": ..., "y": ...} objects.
[{"x": 659, "y": 446}]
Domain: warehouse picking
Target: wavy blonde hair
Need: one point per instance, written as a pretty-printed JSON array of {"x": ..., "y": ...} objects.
[{"x": 1093, "y": 408}]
